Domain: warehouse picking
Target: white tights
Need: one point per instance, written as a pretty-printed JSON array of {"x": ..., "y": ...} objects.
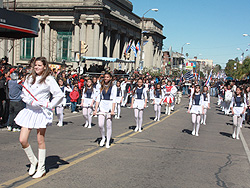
[
  {"x": 86, "y": 112},
  {"x": 101, "y": 122},
  {"x": 59, "y": 112},
  {"x": 204, "y": 116},
  {"x": 118, "y": 109},
  {"x": 237, "y": 121},
  {"x": 196, "y": 118},
  {"x": 138, "y": 117},
  {"x": 157, "y": 109}
]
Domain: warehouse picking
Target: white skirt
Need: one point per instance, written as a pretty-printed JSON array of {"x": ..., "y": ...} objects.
[
  {"x": 205, "y": 104},
  {"x": 118, "y": 100},
  {"x": 87, "y": 102},
  {"x": 158, "y": 101},
  {"x": 238, "y": 110},
  {"x": 105, "y": 105},
  {"x": 32, "y": 118},
  {"x": 196, "y": 109},
  {"x": 139, "y": 103}
]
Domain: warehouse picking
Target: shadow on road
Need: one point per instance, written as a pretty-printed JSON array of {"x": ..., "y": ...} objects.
[
  {"x": 98, "y": 140},
  {"x": 187, "y": 131},
  {"x": 229, "y": 135}
]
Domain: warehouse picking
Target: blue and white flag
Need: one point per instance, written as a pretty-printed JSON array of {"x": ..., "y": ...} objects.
[
  {"x": 134, "y": 48},
  {"x": 209, "y": 78},
  {"x": 189, "y": 75},
  {"x": 199, "y": 77}
]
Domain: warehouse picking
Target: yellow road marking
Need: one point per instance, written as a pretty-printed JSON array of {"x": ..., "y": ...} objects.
[{"x": 34, "y": 181}]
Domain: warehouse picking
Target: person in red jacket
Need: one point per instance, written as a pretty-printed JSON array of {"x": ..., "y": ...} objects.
[{"x": 74, "y": 95}]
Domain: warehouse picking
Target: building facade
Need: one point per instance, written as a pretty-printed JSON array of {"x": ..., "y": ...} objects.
[{"x": 105, "y": 26}]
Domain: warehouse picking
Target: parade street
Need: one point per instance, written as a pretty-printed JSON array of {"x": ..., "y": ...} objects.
[{"x": 164, "y": 154}]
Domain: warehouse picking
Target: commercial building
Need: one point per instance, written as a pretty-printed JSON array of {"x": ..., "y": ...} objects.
[{"x": 105, "y": 26}]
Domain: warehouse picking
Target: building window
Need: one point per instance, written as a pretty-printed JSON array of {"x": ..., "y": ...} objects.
[
  {"x": 27, "y": 48},
  {"x": 64, "y": 43}
]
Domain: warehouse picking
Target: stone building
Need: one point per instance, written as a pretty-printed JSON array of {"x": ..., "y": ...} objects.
[{"x": 106, "y": 26}]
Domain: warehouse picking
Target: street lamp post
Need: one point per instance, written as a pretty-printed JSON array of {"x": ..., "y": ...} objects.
[
  {"x": 242, "y": 55},
  {"x": 142, "y": 30},
  {"x": 183, "y": 46}
]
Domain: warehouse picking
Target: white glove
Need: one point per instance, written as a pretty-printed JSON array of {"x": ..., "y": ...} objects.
[
  {"x": 46, "y": 104},
  {"x": 35, "y": 103}
]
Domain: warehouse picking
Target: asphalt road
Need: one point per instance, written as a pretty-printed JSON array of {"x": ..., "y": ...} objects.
[{"x": 165, "y": 154}]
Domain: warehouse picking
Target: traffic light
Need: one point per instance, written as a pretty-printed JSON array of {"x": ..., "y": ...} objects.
[{"x": 84, "y": 47}]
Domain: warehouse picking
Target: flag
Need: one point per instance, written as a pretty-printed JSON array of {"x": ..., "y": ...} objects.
[
  {"x": 199, "y": 77},
  {"x": 145, "y": 42},
  {"x": 188, "y": 75},
  {"x": 195, "y": 74},
  {"x": 134, "y": 48},
  {"x": 209, "y": 78},
  {"x": 128, "y": 47},
  {"x": 138, "y": 47}
]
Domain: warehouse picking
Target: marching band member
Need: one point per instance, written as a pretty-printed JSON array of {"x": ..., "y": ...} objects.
[
  {"x": 206, "y": 98},
  {"x": 238, "y": 106},
  {"x": 119, "y": 99},
  {"x": 106, "y": 103},
  {"x": 228, "y": 99},
  {"x": 196, "y": 108},
  {"x": 157, "y": 101},
  {"x": 173, "y": 93},
  {"x": 88, "y": 99},
  {"x": 40, "y": 84},
  {"x": 168, "y": 97},
  {"x": 139, "y": 103},
  {"x": 60, "y": 107}
]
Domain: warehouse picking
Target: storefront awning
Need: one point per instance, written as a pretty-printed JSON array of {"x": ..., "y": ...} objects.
[{"x": 16, "y": 25}]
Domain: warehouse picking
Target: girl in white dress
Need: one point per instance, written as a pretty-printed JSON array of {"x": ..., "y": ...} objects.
[
  {"x": 41, "y": 85},
  {"x": 196, "y": 108},
  {"x": 206, "y": 98},
  {"x": 119, "y": 99},
  {"x": 60, "y": 107},
  {"x": 139, "y": 103},
  {"x": 238, "y": 106},
  {"x": 106, "y": 102},
  {"x": 228, "y": 99},
  {"x": 158, "y": 97},
  {"x": 88, "y": 99}
]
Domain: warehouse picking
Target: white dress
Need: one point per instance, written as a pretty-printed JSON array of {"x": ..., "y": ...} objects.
[
  {"x": 34, "y": 117},
  {"x": 158, "y": 100},
  {"x": 206, "y": 100},
  {"x": 196, "y": 108},
  {"x": 139, "y": 103},
  {"x": 119, "y": 97},
  {"x": 105, "y": 105},
  {"x": 88, "y": 101}
]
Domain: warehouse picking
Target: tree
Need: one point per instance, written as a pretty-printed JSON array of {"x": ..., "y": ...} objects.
[
  {"x": 229, "y": 69},
  {"x": 217, "y": 68}
]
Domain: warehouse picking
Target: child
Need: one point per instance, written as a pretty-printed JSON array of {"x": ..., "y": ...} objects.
[
  {"x": 206, "y": 98},
  {"x": 74, "y": 95},
  {"x": 196, "y": 108},
  {"x": 238, "y": 106},
  {"x": 157, "y": 101},
  {"x": 119, "y": 99}
]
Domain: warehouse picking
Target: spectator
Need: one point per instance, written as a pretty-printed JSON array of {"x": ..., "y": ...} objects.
[{"x": 74, "y": 95}]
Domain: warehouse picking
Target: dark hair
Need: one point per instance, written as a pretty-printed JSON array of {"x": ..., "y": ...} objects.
[
  {"x": 45, "y": 73},
  {"x": 156, "y": 88},
  {"x": 109, "y": 84},
  {"x": 194, "y": 91},
  {"x": 241, "y": 94},
  {"x": 86, "y": 87},
  {"x": 136, "y": 86}
]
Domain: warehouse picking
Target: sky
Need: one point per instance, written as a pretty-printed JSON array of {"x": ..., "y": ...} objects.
[{"x": 214, "y": 28}]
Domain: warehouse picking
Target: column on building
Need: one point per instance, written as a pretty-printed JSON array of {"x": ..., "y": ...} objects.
[
  {"x": 125, "y": 44},
  {"x": 76, "y": 38},
  {"x": 2, "y": 49},
  {"x": 18, "y": 50},
  {"x": 96, "y": 38},
  {"x": 148, "y": 53},
  {"x": 101, "y": 40},
  {"x": 107, "y": 43},
  {"x": 116, "y": 52},
  {"x": 46, "y": 46},
  {"x": 38, "y": 43},
  {"x": 54, "y": 45}
]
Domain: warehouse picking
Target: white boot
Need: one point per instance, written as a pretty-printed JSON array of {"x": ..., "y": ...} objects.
[
  {"x": 86, "y": 124},
  {"x": 41, "y": 171},
  {"x": 169, "y": 110},
  {"x": 237, "y": 132},
  {"x": 32, "y": 158},
  {"x": 234, "y": 132},
  {"x": 166, "y": 110}
]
